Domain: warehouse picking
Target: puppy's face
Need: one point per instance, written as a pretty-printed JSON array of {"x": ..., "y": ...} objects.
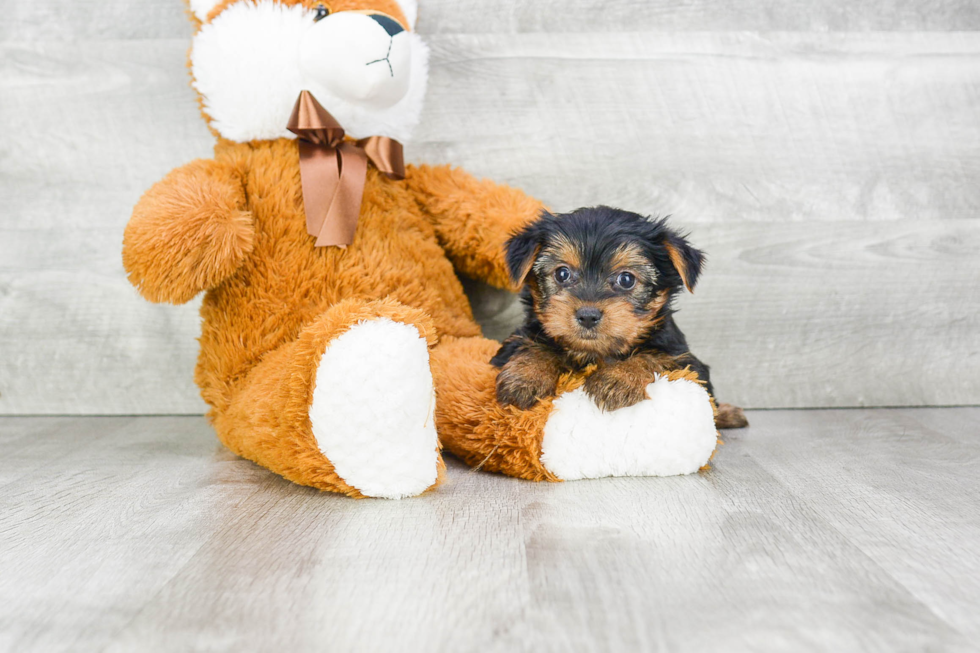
[
  {"x": 596, "y": 302},
  {"x": 601, "y": 279}
]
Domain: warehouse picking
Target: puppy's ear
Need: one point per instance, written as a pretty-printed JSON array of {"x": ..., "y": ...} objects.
[
  {"x": 687, "y": 260},
  {"x": 522, "y": 250}
]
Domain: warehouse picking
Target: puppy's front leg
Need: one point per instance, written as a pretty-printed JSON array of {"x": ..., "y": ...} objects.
[
  {"x": 620, "y": 383},
  {"x": 531, "y": 374}
]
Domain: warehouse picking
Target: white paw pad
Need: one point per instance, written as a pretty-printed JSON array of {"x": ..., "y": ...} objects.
[
  {"x": 372, "y": 411},
  {"x": 672, "y": 432}
]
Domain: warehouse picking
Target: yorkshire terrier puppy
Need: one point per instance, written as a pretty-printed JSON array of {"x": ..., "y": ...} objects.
[{"x": 597, "y": 290}]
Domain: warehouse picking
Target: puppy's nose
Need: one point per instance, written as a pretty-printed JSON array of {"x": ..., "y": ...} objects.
[
  {"x": 588, "y": 317},
  {"x": 391, "y": 25}
]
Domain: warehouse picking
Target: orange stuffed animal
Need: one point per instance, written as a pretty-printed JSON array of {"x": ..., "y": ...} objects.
[{"x": 337, "y": 366}]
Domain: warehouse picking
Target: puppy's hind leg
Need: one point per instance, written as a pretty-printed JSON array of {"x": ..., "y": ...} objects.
[{"x": 729, "y": 416}]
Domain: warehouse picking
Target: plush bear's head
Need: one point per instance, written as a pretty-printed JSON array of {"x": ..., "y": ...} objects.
[{"x": 359, "y": 58}]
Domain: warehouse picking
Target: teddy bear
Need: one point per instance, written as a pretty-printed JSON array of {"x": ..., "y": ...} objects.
[{"x": 337, "y": 346}]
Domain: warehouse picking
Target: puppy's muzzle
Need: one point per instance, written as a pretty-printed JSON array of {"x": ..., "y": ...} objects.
[{"x": 588, "y": 317}]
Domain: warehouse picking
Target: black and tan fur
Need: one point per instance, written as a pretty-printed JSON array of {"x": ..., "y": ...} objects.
[{"x": 597, "y": 289}]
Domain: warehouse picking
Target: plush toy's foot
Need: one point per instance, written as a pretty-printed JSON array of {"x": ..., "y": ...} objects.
[
  {"x": 568, "y": 437},
  {"x": 372, "y": 411},
  {"x": 730, "y": 417},
  {"x": 670, "y": 433},
  {"x": 346, "y": 407}
]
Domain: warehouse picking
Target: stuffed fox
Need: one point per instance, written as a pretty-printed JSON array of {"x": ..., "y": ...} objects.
[{"x": 345, "y": 362}]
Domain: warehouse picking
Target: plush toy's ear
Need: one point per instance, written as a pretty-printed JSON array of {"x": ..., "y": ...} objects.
[
  {"x": 687, "y": 260},
  {"x": 201, "y": 8},
  {"x": 411, "y": 10},
  {"x": 522, "y": 250}
]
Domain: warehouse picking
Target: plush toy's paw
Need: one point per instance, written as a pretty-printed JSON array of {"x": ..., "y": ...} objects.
[
  {"x": 730, "y": 417},
  {"x": 372, "y": 410},
  {"x": 611, "y": 390},
  {"x": 670, "y": 433},
  {"x": 519, "y": 386}
]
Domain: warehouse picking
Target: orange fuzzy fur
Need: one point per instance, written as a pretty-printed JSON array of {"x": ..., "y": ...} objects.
[
  {"x": 471, "y": 423},
  {"x": 274, "y": 301},
  {"x": 267, "y": 418},
  {"x": 189, "y": 232},
  {"x": 234, "y": 228},
  {"x": 473, "y": 426},
  {"x": 473, "y": 219}
]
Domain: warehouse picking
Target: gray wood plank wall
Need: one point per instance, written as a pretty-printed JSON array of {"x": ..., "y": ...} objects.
[{"x": 826, "y": 155}]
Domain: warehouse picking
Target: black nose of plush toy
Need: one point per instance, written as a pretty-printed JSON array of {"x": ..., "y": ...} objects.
[
  {"x": 390, "y": 24},
  {"x": 588, "y": 317}
]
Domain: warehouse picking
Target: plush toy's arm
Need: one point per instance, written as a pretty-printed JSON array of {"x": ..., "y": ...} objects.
[
  {"x": 473, "y": 218},
  {"x": 188, "y": 233}
]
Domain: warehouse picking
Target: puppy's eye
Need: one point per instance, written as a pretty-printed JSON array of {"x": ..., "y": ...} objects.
[
  {"x": 563, "y": 274},
  {"x": 321, "y": 13},
  {"x": 626, "y": 280}
]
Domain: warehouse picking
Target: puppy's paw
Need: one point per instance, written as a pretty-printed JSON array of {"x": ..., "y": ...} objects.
[
  {"x": 730, "y": 417},
  {"x": 516, "y": 387},
  {"x": 612, "y": 389}
]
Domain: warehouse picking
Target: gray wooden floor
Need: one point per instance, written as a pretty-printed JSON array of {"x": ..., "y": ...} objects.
[{"x": 816, "y": 530}]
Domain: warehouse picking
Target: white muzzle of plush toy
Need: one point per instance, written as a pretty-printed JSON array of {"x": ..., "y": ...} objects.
[{"x": 362, "y": 57}]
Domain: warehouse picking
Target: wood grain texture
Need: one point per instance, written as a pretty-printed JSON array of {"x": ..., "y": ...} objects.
[
  {"x": 55, "y": 21},
  {"x": 97, "y": 124},
  {"x": 883, "y": 462},
  {"x": 717, "y": 127},
  {"x": 557, "y": 16},
  {"x": 831, "y": 177},
  {"x": 814, "y": 530},
  {"x": 826, "y": 313},
  {"x": 147, "y": 19}
]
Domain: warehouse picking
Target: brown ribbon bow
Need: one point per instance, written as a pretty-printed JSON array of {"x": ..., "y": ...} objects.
[{"x": 333, "y": 170}]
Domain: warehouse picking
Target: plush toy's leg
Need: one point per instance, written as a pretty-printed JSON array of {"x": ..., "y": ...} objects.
[
  {"x": 346, "y": 407},
  {"x": 568, "y": 437}
]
